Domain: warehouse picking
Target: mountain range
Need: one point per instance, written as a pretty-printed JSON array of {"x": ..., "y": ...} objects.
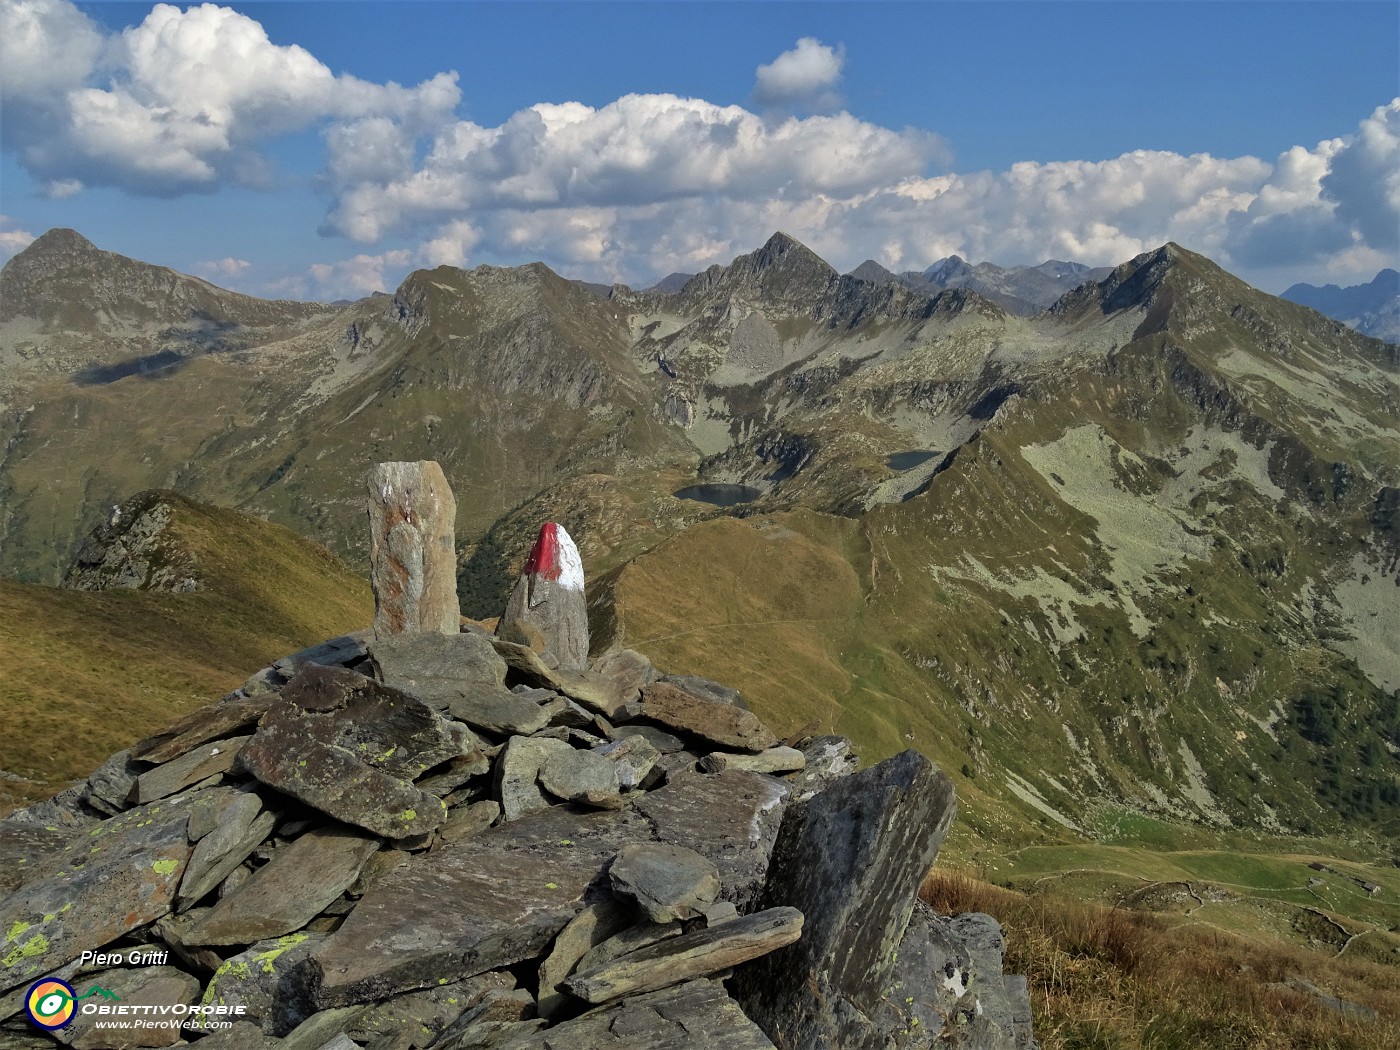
[
  {"x": 1372, "y": 309},
  {"x": 1022, "y": 290},
  {"x": 1137, "y": 552}
]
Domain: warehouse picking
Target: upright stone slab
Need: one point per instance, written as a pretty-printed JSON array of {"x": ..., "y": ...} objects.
[
  {"x": 412, "y": 549},
  {"x": 547, "y": 607},
  {"x": 851, "y": 859}
]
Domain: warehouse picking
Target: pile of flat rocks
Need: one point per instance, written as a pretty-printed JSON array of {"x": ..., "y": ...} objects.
[{"x": 447, "y": 840}]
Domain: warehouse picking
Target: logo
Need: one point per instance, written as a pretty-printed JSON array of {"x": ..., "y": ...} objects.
[{"x": 51, "y": 1003}]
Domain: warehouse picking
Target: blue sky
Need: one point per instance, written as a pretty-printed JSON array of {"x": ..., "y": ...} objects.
[{"x": 263, "y": 146}]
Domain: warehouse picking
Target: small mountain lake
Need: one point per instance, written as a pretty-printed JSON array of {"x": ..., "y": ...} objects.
[
  {"x": 719, "y": 495},
  {"x": 908, "y": 460}
]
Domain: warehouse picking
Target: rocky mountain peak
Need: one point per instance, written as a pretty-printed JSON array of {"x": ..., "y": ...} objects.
[
  {"x": 784, "y": 269},
  {"x": 947, "y": 270},
  {"x": 59, "y": 239}
]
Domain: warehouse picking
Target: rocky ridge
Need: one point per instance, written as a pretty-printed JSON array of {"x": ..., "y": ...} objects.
[{"x": 428, "y": 839}]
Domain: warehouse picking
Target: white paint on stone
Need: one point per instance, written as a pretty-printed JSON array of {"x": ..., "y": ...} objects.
[{"x": 570, "y": 561}]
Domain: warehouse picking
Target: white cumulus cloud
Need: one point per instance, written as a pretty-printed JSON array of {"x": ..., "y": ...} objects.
[
  {"x": 12, "y": 241},
  {"x": 224, "y": 268},
  {"x": 806, "y": 76},
  {"x": 179, "y": 103}
]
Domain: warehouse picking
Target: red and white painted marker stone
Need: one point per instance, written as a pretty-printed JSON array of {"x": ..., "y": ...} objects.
[{"x": 547, "y": 606}]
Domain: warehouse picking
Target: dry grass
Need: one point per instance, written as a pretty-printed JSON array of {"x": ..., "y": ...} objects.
[{"x": 1104, "y": 977}]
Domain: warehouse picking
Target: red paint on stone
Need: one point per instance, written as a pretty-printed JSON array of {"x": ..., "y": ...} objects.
[{"x": 544, "y": 558}]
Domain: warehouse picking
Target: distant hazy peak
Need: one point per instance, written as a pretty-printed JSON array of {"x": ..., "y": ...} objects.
[{"x": 873, "y": 272}]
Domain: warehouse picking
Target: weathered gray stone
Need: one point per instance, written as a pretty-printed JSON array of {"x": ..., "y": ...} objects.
[
  {"x": 280, "y": 898},
  {"x": 581, "y": 776},
  {"x": 634, "y": 938},
  {"x": 146, "y": 986},
  {"x": 517, "y": 773},
  {"x": 452, "y": 774},
  {"x": 696, "y": 1014},
  {"x": 548, "y": 600},
  {"x": 851, "y": 859},
  {"x": 497, "y": 710},
  {"x": 732, "y": 818},
  {"x": 347, "y": 745},
  {"x": 469, "y": 820},
  {"x": 242, "y": 1036},
  {"x": 634, "y": 758},
  {"x": 92, "y": 890},
  {"x": 269, "y": 980},
  {"x": 629, "y": 669},
  {"x": 242, "y": 826},
  {"x": 170, "y": 929},
  {"x": 589, "y": 928},
  {"x": 697, "y": 954},
  {"x": 720, "y": 912},
  {"x": 200, "y": 727},
  {"x": 450, "y": 914},
  {"x": 722, "y": 724},
  {"x": 434, "y": 667},
  {"x": 591, "y": 689},
  {"x": 704, "y": 689},
  {"x": 664, "y": 742},
  {"x": 667, "y": 881},
  {"x": 492, "y": 1021},
  {"x": 333, "y": 652},
  {"x": 108, "y": 790},
  {"x": 22, "y": 847},
  {"x": 412, "y": 549},
  {"x": 489, "y": 1035},
  {"x": 826, "y": 760},
  {"x": 325, "y": 1030},
  {"x": 418, "y": 1019},
  {"x": 65, "y": 811},
  {"x": 201, "y": 762},
  {"x": 775, "y": 760}
]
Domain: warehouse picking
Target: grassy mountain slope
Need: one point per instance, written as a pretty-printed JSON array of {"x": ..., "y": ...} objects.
[{"x": 85, "y": 673}]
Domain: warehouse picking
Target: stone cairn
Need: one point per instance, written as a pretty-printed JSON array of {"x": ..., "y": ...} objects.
[{"x": 424, "y": 836}]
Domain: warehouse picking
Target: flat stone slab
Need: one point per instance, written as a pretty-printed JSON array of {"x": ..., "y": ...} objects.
[
  {"x": 433, "y": 666},
  {"x": 851, "y": 859},
  {"x": 731, "y": 818},
  {"x": 775, "y": 760},
  {"x": 704, "y": 689},
  {"x": 722, "y": 724},
  {"x": 690, "y": 955},
  {"x": 347, "y": 745},
  {"x": 664, "y": 742},
  {"x": 517, "y": 774},
  {"x": 589, "y": 928},
  {"x": 200, "y": 727},
  {"x": 240, "y": 827},
  {"x": 496, "y": 709},
  {"x": 455, "y": 911},
  {"x": 695, "y": 1014},
  {"x": 581, "y": 776},
  {"x": 593, "y": 690},
  {"x": 264, "y": 980},
  {"x": 146, "y": 986},
  {"x": 22, "y": 847},
  {"x": 121, "y": 875},
  {"x": 195, "y": 765},
  {"x": 288, "y": 891},
  {"x": 667, "y": 881}
]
